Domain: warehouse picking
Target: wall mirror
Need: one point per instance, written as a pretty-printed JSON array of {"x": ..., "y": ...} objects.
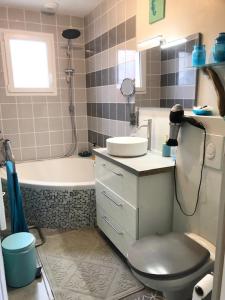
[
  {"x": 127, "y": 87},
  {"x": 164, "y": 75}
]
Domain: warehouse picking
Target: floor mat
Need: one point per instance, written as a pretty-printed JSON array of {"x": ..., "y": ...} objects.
[
  {"x": 80, "y": 265},
  {"x": 146, "y": 294}
]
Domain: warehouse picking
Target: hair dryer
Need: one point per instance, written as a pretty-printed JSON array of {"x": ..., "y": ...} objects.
[{"x": 176, "y": 119}]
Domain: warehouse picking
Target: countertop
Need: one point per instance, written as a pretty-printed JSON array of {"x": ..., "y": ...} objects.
[{"x": 151, "y": 163}]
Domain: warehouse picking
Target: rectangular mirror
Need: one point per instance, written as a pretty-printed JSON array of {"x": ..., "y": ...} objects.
[{"x": 165, "y": 76}]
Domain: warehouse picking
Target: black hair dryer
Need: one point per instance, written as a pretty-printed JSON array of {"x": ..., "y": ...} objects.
[{"x": 177, "y": 118}]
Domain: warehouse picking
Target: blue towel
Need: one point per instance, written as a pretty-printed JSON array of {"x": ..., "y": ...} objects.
[{"x": 18, "y": 222}]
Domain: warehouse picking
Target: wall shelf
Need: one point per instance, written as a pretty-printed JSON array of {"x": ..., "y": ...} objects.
[
  {"x": 213, "y": 65},
  {"x": 216, "y": 72}
]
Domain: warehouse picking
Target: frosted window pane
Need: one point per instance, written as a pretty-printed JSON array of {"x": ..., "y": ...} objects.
[
  {"x": 138, "y": 70},
  {"x": 29, "y": 64}
]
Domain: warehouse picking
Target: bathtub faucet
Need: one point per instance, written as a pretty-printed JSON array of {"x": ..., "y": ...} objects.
[{"x": 8, "y": 150}]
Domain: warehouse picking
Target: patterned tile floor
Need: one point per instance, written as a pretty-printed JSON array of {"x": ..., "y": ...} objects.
[
  {"x": 40, "y": 289},
  {"x": 145, "y": 294}
]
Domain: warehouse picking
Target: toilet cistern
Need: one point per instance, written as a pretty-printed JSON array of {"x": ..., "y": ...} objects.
[{"x": 149, "y": 132}]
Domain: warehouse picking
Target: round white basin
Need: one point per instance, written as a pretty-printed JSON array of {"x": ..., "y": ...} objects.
[{"x": 129, "y": 146}]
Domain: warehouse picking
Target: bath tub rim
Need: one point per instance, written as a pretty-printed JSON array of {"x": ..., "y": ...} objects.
[{"x": 52, "y": 185}]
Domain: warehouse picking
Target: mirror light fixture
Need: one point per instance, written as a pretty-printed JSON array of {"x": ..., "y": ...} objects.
[
  {"x": 172, "y": 43},
  {"x": 150, "y": 42}
]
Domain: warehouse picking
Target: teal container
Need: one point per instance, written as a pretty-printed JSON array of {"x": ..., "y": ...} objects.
[
  {"x": 19, "y": 259},
  {"x": 166, "y": 151},
  {"x": 219, "y": 48},
  {"x": 198, "y": 55}
]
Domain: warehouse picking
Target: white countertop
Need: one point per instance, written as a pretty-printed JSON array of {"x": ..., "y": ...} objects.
[{"x": 150, "y": 163}]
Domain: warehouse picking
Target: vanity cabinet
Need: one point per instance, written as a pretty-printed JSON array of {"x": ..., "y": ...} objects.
[{"x": 130, "y": 206}]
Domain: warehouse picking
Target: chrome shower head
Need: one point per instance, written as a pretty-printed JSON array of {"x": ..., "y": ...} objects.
[{"x": 70, "y": 34}]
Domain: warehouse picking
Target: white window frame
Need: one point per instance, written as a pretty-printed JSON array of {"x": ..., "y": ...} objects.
[
  {"x": 142, "y": 72},
  {"x": 7, "y": 64}
]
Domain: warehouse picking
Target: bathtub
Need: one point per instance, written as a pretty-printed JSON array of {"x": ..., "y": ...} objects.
[{"x": 57, "y": 193}]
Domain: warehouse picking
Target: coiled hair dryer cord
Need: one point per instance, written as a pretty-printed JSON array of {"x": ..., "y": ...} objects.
[{"x": 200, "y": 182}]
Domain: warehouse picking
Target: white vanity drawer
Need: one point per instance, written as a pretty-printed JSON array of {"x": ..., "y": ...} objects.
[
  {"x": 117, "y": 179},
  {"x": 121, "y": 239},
  {"x": 120, "y": 210}
]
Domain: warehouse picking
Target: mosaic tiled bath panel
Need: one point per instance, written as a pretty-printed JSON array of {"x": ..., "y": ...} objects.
[{"x": 63, "y": 208}]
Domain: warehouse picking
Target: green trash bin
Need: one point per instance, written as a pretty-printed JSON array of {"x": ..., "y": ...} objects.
[{"x": 19, "y": 259}]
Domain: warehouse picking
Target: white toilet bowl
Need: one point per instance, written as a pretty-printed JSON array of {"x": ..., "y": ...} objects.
[{"x": 172, "y": 276}]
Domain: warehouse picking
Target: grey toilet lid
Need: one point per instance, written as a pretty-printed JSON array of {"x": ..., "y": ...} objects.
[{"x": 167, "y": 256}]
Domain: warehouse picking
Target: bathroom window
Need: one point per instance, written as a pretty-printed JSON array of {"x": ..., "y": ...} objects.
[
  {"x": 140, "y": 72},
  {"x": 29, "y": 63}
]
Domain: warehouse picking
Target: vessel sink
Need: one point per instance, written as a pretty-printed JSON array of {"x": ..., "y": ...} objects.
[{"x": 127, "y": 146}]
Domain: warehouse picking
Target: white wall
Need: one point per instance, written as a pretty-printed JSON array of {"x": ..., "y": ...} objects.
[{"x": 189, "y": 157}]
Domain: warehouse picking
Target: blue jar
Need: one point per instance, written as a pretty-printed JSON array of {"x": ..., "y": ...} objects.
[
  {"x": 165, "y": 150},
  {"x": 198, "y": 56},
  {"x": 19, "y": 259},
  {"x": 219, "y": 48}
]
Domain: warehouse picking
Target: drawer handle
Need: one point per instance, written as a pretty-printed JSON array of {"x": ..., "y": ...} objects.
[
  {"x": 111, "y": 225},
  {"x": 114, "y": 172},
  {"x": 117, "y": 204}
]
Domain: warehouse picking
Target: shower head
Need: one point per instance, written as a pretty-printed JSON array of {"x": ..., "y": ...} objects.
[{"x": 71, "y": 34}]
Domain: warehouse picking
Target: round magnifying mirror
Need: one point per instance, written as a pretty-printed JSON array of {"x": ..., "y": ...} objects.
[{"x": 127, "y": 87}]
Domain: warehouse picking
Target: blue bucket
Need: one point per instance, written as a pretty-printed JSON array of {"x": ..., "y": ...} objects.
[{"x": 19, "y": 259}]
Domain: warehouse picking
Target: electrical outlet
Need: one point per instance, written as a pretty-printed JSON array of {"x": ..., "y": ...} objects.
[{"x": 214, "y": 151}]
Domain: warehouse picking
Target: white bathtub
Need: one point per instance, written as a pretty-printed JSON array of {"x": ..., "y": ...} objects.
[
  {"x": 57, "y": 193},
  {"x": 73, "y": 172}
]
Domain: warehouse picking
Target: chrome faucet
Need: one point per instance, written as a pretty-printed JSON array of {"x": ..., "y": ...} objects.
[
  {"x": 8, "y": 150},
  {"x": 149, "y": 132}
]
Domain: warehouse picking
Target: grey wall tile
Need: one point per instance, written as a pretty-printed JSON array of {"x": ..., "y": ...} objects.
[
  {"x": 33, "y": 27},
  {"x": 112, "y": 37},
  {"x": 105, "y": 41},
  {"x": 27, "y": 140},
  {"x": 43, "y": 152},
  {"x": 48, "y": 19},
  {"x": 188, "y": 103},
  {"x": 32, "y": 16},
  {"x": 131, "y": 28},
  {"x": 63, "y": 20},
  {"x": 42, "y": 138},
  {"x": 8, "y": 111},
  {"x": 106, "y": 110},
  {"x": 26, "y": 125},
  {"x": 41, "y": 125},
  {"x": 10, "y": 126},
  {"x": 4, "y": 24},
  {"x": 40, "y": 110},
  {"x": 112, "y": 110},
  {"x": 94, "y": 109},
  {"x": 55, "y": 124},
  {"x": 3, "y": 12},
  {"x": 54, "y": 109},
  {"x": 15, "y": 14},
  {"x": 121, "y": 112},
  {"x": 28, "y": 153},
  {"x": 18, "y": 25},
  {"x": 98, "y": 45},
  {"x": 77, "y": 22},
  {"x": 99, "y": 110},
  {"x": 105, "y": 77},
  {"x": 56, "y": 137},
  {"x": 120, "y": 33}
]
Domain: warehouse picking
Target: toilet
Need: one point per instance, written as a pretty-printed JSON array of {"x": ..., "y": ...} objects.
[{"x": 171, "y": 263}]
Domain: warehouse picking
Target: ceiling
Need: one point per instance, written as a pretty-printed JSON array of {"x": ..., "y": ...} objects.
[{"x": 77, "y": 8}]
